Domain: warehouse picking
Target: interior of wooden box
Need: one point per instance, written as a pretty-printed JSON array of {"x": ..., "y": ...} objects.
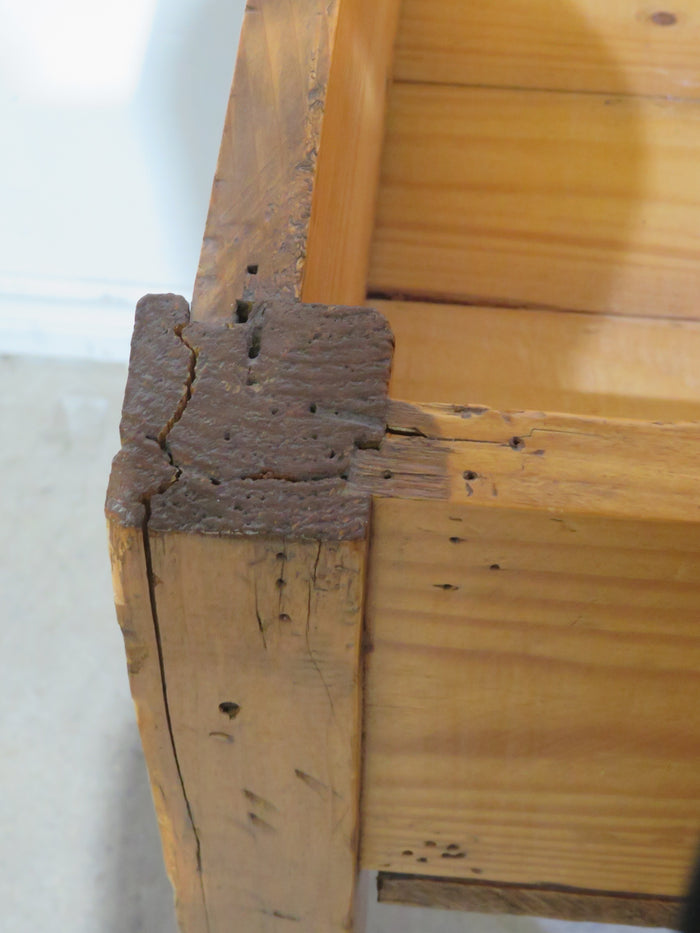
[{"x": 536, "y": 241}]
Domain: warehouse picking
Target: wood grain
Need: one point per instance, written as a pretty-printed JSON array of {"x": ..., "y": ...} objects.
[
  {"x": 535, "y": 460},
  {"x": 239, "y": 555},
  {"x": 532, "y": 693},
  {"x": 263, "y": 686},
  {"x": 624, "y": 47},
  {"x": 533, "y": 901},
  {"x": 261, "y": 198},
  {"x": 575, "y": 202},
  {"x": 347, "y": 172},
  {"x": 506, "y": 358}
]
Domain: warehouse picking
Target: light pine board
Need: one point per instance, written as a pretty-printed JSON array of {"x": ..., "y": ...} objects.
[{"x": 510, "y": 197}]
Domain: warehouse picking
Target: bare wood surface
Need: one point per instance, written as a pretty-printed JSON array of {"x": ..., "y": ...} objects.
[
  {"x": 508, "y": 358},
  {"x": 533, "y": 198},
  {"x": 535, "y": 460},
  {"x": 242, "y": 609},
  {"x": 261, "y": 199},
  {"x": 347, "y": 174},
  {"x": 581, "y": 45},
  {"x": 299, "y": 162},
  {"x": 532, "y": 696},
  {"x": 481, "y": 897}
]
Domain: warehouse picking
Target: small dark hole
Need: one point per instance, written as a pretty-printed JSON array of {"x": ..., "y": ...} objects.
[
  {"x": 495, "y": 567},
  {"x": 230, "y": 709},
  {"x": 214, "y": 481},
  {"x": 452, "y": 847},
  {"x": 470, "y": 474},
  {"x": 273, "y": 411},
  {"x": 445, "y": 586},
  {"x": 344, "y": 475},
  {"x": 477, "y": 871},
  {"x": 227, "y": 436},
  {"x": 280, "y": 583},
  {"x": 422, "y": 859},
  {"x": 252, "y": 269},
  {"x": 280, "y": 555},
  {"x": 254, "y": 348},
  {"x": 312, "y": 408},
  {"x": 331, "y": 455},
  {"x": 387, "y": 474},
  {"x": 407, "y": 852},
  {"x": 314, "y": 437},
  {"x": 455, "y": 540},
  {"x": 243, "y": 309},
  {"x": 663, "y": 18},
  {"x": 517, "y": 443},
  {"x": 283, "y": 617}
]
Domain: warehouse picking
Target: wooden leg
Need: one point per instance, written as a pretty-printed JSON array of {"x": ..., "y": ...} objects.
[{"x": 239, "y": 560}]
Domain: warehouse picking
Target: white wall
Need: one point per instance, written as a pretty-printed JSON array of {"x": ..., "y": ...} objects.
[{"x": 111, "y": 116}]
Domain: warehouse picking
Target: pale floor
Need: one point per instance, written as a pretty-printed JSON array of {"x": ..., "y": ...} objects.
[{"x": 79, "y": 851}]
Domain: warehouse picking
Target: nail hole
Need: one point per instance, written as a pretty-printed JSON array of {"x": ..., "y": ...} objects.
[
  {"x": 455, "y": 540},
  {"x": 254, "y": 348},
  {"x": 214, "y": 481},
  {"x": 280, "y": 583},
  {"x": 470, "y": 474},
  {"x": 663, "y": 18},
  {"x": 331, "y": 455},
  {"x": 422, "y": 859},
  {"x": 252, "y": 269},
  {"x": 445, "y": 586},
  {"x": 495, "y": 567},
  {"x": 387, "y": 474},
  {"x": 283, "y": 617},
  {"x": 243, "y": 309},
  {"x": 407, "y": 852},
  {"x": 452, "y": 847},
  {"x": 517, "y": 443},
  {"x": 273, "y": 411},
  {"x": 227, "y": 436},
  {"x": 280, "y": 555},
  {"x": 312, "y": 408},
  {"x": 229, "y": 708}
]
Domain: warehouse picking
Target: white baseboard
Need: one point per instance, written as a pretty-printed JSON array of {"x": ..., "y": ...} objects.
[{"x": 77, "y": 319}]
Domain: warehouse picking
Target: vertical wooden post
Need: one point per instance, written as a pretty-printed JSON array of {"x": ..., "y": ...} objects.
[{"x": 239, "y": 553}]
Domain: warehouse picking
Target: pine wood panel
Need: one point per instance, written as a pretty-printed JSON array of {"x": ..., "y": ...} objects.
[
  {"x": 581, "y": 202},
  {"x": 265, "y": 708},
  {"x": 625, "y": 47},
  {"x": 532, "y": 709},
  {"x": 605, "y": 365}
]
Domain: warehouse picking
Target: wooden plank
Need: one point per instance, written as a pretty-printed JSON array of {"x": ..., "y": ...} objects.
[
  {"x": 532, "y": 711},
  {"x": 587, "y": 45},
  {"x": 535, "y": 460},
  {"x": 347, "y": 174},
  {"x": 506, "y": 358},
  {"x": 532, "y": 693},
  {"x": 244, "y": 602},
  {"x": 261, "y": 197},
  {"x": 310, "y": 76},
  {"x": 480, "y": 897},
  {"x": 576, "y": 202}
]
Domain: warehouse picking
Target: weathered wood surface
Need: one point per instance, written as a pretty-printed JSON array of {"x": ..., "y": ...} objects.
[
  {"x": 239, "y": 554},
  {"x": 536, "y": 198},
  {"x": 532, "y": 709},
  {"x": 533, "y": 901},
  {"x": 624, "y": 47},
  {"x": 299, "y": 161}
]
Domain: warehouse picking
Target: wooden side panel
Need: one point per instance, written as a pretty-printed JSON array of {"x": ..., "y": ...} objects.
[
  {"x": 533, "y": 901},
  {"x": 604, "y": 365},
  {"x": 347, "y": 174},
  {"x": 626, "y": 47},
  {"x": 261, "y": 198},
  {"x": 261, "y": 654},
  {"x": 580, "y": 202},
  {"x": 532, "y": 697}
]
